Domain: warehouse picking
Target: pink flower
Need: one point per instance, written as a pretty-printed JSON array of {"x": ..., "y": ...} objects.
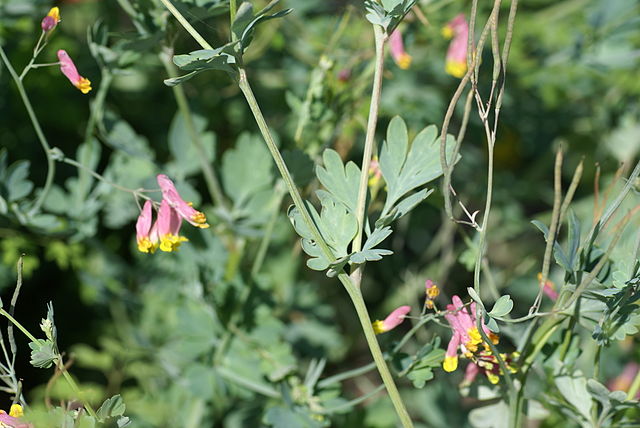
[
  {"x": 401, "y": 58},
  {"x": 394, "y": 319},
  {"x": 466, "y": 336},
  {"x": 467, "y": 339},
  {"x": 12, "y": 420},
  {"x": 69, "y": 69},
  {"x": 184, "y": 209},
  {"x": 456, "y": 62},
  {"x": 167, "y": 228},
  {"x": 624, "y": 380},
  {"x": 147, "y": 241},
  {"x": 50, "y": 21},
  {"x": 549, "y": 288}
]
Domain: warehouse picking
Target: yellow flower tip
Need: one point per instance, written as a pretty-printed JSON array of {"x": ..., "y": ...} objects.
[
  {"x": 146, "y": 246},
  {"x": 84, "y": 85},
  {"x": 378, "y": 327},
  {"x": 170, "y": 242},
  {"x": 456, "y": 68},
  {"x": 200, "y": 219},
  {"x": 16, "y": 409},
  {"x": 474, "y": 335},
  {"x": 447, "y": 32},
  {"x": 493, "y": 378},
  {"x": 450, "y": 363},
  {"x": 433, "y": 291},
  {"x": 404, "y": 60},
  {"x": 54, "y": 12},
  {"x": 495, "y": 339}
]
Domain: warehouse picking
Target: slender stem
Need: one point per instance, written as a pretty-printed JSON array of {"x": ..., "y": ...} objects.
[
  {"x": 250, "y": 384},
  {"x": 17, "y": 324},
  {"x": 280, "y": 164},
  {"x": 76, "y": 389},
  {"x": 183, "y": 21},
  {"x": 376, "y": 352},
  {"x": 380, "y": 37},
  {"x": 354, "y": 402},
  {"x": 51, "y": 166},
  {"x": 232, "y": 10},
  {"x": 210, "y": 178}
]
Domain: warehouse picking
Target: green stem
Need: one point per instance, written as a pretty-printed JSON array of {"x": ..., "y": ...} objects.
[
  {"x": 352, "y": 403},
  {"x": 374, "y": 347},
  {"x": 17, "y": 324},
  {"x": 213, "y": 185},
  {"x": 185, "y": 24},
  {"x": 233, "y": 7},
  {"x": 252, "y": 385},
  {"x": 51, "y": 166},
  {"x": 368, "y": 142}
]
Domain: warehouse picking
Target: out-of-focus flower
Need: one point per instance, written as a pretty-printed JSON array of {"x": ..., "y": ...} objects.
[
  {"x": 69, "y": 69},
  {"x": 623, "y": 381},
  {"x": 375, "y": 174},
  {"x": 344, "y": 75},
  {"x": 432, "y": 291},
  {"x": 548, "y": 288},
  {"x": 400, "y": 56},
  {"x": 468, "y": 341},
  {"x": 184, "y": 209},
  {"x": 50, "y": 21},
  {"x": 168, "y": 227},
  {"x": 456, "y": 62},
  {"x": 394, "y": 319},
  {"x": 146, "y": 237},
  {"x": 12, "y": 420}
]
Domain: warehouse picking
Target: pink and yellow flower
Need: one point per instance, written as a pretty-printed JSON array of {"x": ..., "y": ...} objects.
[
  {"x": 456, "y": 61},
  {"x": 168, "y": 228},
  {"x": 431, "y": 291},
  {"x": 146, "y": 237},
  {"x": 12, "y": 420},
  {"x": 399, "y": 55},
  {"x": 184, "y": 209},
  {"x": 69, "y": 69},
  {"x": 549, "y": 288},
  {"x": 50, "y": 21},
  {"x": 624, "y": 380},
  {"x": 393, "y": 320}
]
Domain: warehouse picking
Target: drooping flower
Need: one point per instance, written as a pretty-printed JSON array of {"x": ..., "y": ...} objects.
[
  {"x": 549, "y": 288},
  {"x": 184, "y": 209},
  {"x": 399, "y": 55},
  {"x": 167, "y": 228},
  {"x": 69, "y": 69},
  {"x": 456, "y": 61},
  {"x": 12, "y": 420},
  {"x": 623, "y": 381},
  {"x": 468, "y": 340},
  {"x": 432, "y": 291},
  {"x": 50, "y": 21},
  {"x": 147, "y": 241},
  {"x": 393, "y": 320}
]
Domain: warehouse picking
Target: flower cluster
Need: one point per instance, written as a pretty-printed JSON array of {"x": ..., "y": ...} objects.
[
  {"x": 393, "y": 320},
  {"x": 12, "y": 420},
  {"x": 165, "y": 232},
  {"x": 456, "y": 62},
  {"x": 468, "y": 340},
  {"x": 399, "y": 55}
]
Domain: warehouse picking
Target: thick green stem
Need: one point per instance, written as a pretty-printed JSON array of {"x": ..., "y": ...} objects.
[
  {"x": 215, "y": 191},
  {"x": 51, "y": 165}
]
